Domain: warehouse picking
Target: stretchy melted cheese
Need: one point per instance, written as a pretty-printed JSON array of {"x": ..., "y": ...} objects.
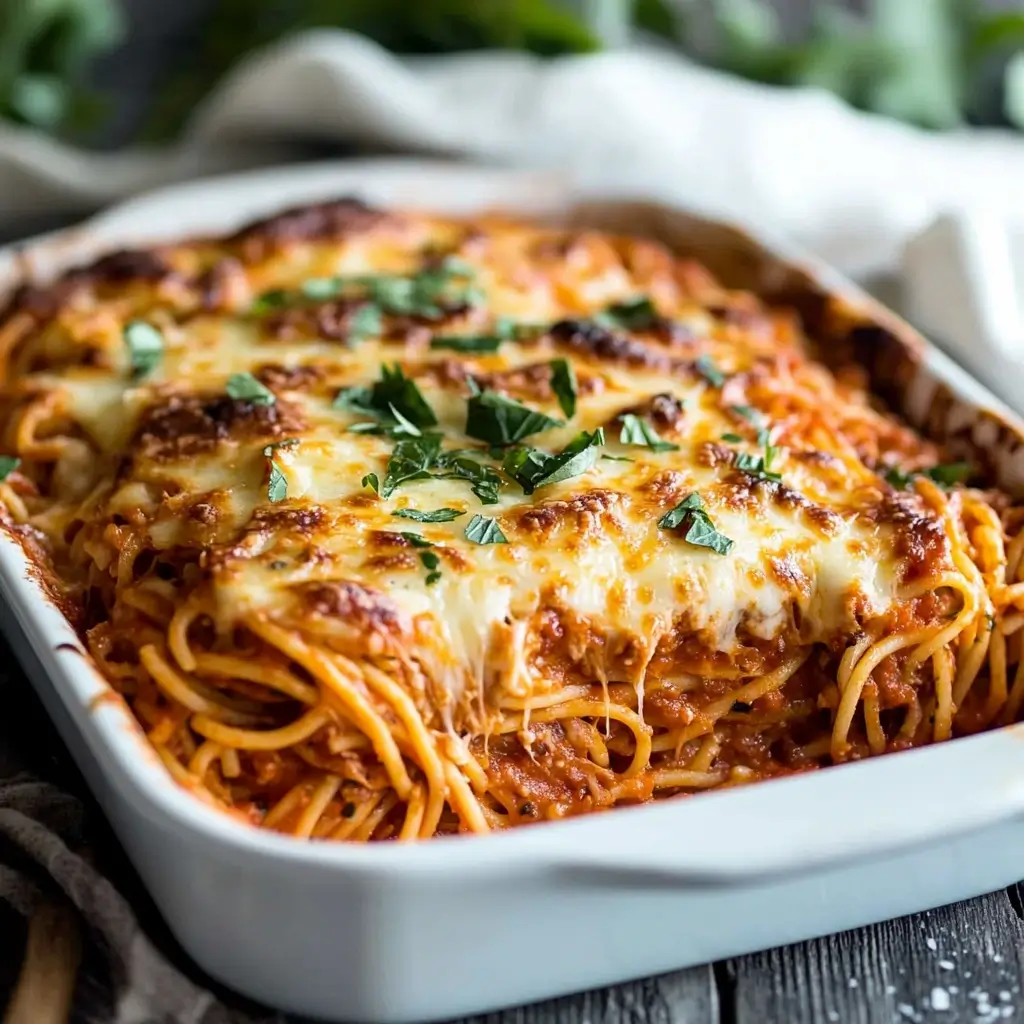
[{"x": 740, "y": 532}]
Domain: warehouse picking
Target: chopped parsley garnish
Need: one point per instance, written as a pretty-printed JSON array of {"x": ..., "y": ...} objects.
[
  {"x": 431, "y": 561},
  {"x": 244, "y": 387},
  {"x": 277, "y": 486},
  {"x": 946, "y": 474},
  {"x": 396, "y": 391},
  {"x": 145, "y": 347},
  {"x": 760, "y": 466},
  {"x": 532, "y": 468},
  {"x": 706, "y": 367},
  {"x": 395, "y": 404},
  {"x": 372, "y": 481},
  {"x": 484, "y": 482},
  {"x": 416, "y": 540},
  {"x": 505, "y": 329},
  {"x": 411, "y": 459},
  {"x": 949, "y": 473},
  {"x": 499, "y": 420},
  {"x": 636, "y": 430},
  {"x": 692, "y": 514},
  {"x": 276, "y": 298},
  {"x": 636, "y": 314},
  {"x": 8, "y": 464},
  {"x": 426, "y": 294},
  {"x": 732, "y": 438},
  {"x": 320, "y": 289},
  {"x": 563, "y": 383},
  {"x": 365, "y": 322},
  {"x": 756, "y": 418},
  {"x": 441, "y": 515},
  {"x": 618, "y": 458},
  {"x": 483, "y": 530},
  {"x": 749, "y": 413}
]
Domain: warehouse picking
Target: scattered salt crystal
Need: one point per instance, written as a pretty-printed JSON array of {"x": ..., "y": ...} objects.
[
  {"x": 853, "y": 983},
  {"x": 940, "y": 999},
  {"x": 997, "y": 958},
  {"x": 953, "y": 990},
  {"x": 833, "y": 1015},
  {"x": 1004, "y": 996},
  {"x": 931, "y": 943},
  {"x": 946, "y": 965},
  {"x": 906, "y": 1010},
  {"x": 889, "y": 989}
]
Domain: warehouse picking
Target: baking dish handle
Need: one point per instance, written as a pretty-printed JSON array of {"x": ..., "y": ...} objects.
[{"x": 818, "y": 819}]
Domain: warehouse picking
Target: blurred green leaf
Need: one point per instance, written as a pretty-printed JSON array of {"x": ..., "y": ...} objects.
[
  {"x": 236, "y": 27},
  {"x": 45, "y": 46},
  {"x": 1003, "y": 30},
  {"x": 1013, "y": 94},
  {"x": 926, "y": 85},
  {"x": 658, "y": 18}
]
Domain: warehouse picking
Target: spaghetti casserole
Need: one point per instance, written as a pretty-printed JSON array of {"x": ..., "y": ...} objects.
[{"x": 389, "y": 525}]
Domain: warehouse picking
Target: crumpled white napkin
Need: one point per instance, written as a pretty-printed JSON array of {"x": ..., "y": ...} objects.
[{"x": 849, "y": 186}]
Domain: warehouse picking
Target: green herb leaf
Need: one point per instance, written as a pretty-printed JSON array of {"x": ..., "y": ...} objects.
[
  {"x": 945, "y": 475},
  {"x": 499, "y": 420},
  {"x": 411, "y": 460},
  {"x": 636, "y": 314},
  {"x": 732, "y": 438},
  {"x": 441, "y": 515},
  {"x": 277, "y": 487},
  {"x": 320, "y": 289},
  {"x": 701, "y": 532},
  {"x": 706, "y": 367},
  {"x": 275, "y": 298},
  {"x": 692, "y": 502},
  {"x": 484, "y": 481},
  {"x": 505, "y": 329},
  {"x": 416, "y": 540},
  {"x": 483, "y": 530},
  {"x": 8, "y": 464},
  {"x": 145, "y": 347},
  {"x": 402, "y": 425},
  {"x": 756, "y": 466},
  {"x": 468, "y": 343},
  {"x": 532, "y": 468},
  {"x": 430, "y": 559},
  {"x": 563, "y": 383},
  {"x": 950, "y": 473},
  {"x": 749, "y": 413},
  {"x": 618, "y": 458},
  {"x": 372, "y": 481},
  {"x": 637, "y": 431},
  {"x": 691, "y": 513},
  {"x": 365, "y": 322},
  {"x": 244, "y": 387},
  {"x": 396, "y": 391}
]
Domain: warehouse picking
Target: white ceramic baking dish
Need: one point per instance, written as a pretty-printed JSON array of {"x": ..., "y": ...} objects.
[{"x": 460, "y": 925}]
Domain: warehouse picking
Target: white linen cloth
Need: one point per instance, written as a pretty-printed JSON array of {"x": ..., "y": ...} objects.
[{"x": 850, "y": 186}]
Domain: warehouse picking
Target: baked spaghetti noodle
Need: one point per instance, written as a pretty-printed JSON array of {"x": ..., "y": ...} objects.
[{"x": 388, "y": 525}]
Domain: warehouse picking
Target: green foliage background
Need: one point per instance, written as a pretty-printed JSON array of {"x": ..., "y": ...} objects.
[{"x": 926, "y": 62}]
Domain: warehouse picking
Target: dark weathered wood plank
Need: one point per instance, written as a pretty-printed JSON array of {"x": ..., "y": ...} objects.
[
  {"x": 957, "y": 964},
  {"x": 682, "y": 997}
]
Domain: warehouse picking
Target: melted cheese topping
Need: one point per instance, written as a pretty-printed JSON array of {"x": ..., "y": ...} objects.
[{"x": 822, "y": 555}]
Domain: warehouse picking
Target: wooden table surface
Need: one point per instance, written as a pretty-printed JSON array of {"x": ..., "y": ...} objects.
[{"x": 958, "y": 965}]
